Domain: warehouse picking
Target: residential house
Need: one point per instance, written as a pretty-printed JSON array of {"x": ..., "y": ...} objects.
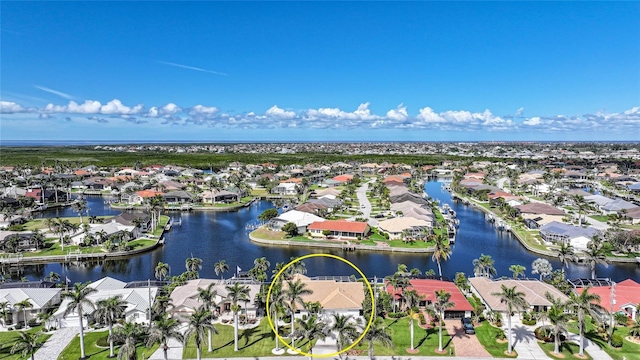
[
  {"x": 627, "y": 297},
  {"x": 178, "y": 197},
  {"x": 335, "y": 297},
  {"x": 285, "y": 188},
  {"x": 41, "y": 300},
  {"x": 300, "y": 218},
  {"x": 396, "y": 227},
  {"x": 219, "y": 196},
  {"x": 340, "y": 229},
  {"x": 426, "y": 289},
  {"x": 578, "y": 237}
]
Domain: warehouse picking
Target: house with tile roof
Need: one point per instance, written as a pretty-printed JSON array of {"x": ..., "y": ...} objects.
[
  {"x": 533, "y": 289},
  {"x": 300, "y": 218},
  {"x": 577, "y": 236},
  {"x": 427, "y": 288},
  {"x": 335, "y": 297},
  {"x": 341, "y": 229},
  {"x": 626, "y": 293}
]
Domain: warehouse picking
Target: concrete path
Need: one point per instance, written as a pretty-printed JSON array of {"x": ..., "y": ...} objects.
[
  {"x": 174, "y": 352},
  {"x": 525, "y": 343},
  {"x": 56, "y": 343},
  {"x": 590, "y": 347}
]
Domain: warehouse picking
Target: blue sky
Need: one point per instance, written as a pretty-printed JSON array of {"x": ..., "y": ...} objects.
[{"x": 309, "y": 71}]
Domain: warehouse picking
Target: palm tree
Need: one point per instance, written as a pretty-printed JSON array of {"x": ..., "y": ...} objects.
[
  {"x": 634, "y": 330},
  {"x": 193, "y": 264},
  {"x": 4, "y": 312},
  {"x": 61, "y": 226},
  {"x": 53, "y": 277},
  {"x": 595, "y": 255},
  {"x": 484, "y": 266},
  {"x": 236, "y": 293},
  {"x": 276, "y": 307},
  {"x": 208, "y": 298},
  {"x": 23, "y": 306},
  {"x": 45, "y": 318},
  {"x": 162, "y": 269},
  {"x": 108, "y": 311},
  {"x": 442, "y": 249},
  {"x": 27, "y": 344},
  {"x": 312, "y": 329},
  {"x": 411, "y": 300},
  {"x": 397, "y": 282},
  {"x": 517, "y": 270},
  {"x": 162, "y": 330},
  {"x": 584, "y": 303},
  {"x": 293, "y": 294},
  {"x": 198, "y": 322},
  {"x": 79, "y": 298},
  {"x": 220, "y": 268},
  {"x": 378, "y": 332},
  {"x": 513, "y": 300},
  {"x": 79, "y": 206},
  {"x": 439, "y": 306},
  {"x": 344, "y": 326},
  {"x": 566, "y": 254},
  {"x": 558, "y": 317},
  {"x": 128, "y": 336}
]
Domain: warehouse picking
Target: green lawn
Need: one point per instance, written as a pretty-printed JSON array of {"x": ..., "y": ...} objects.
[
  {"x": 264, "y": 233},
  {"x": 628, "y": 351},
  {"x": 415, "y": 245},
  {"x": 601, "y": 218},
  {"x": 95, "y": 352},
  {"x": 487, "y": 335},
  {"x": 164, "y": 219},
  {"x": 8, "y": 338},
  {"x": 256, "y": 342},
  {"x": 425, "y": 341},
  {"x": 567, "y": 351}
]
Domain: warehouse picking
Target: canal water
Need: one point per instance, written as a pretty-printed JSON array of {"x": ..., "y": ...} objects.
[{"x": 215, "y": 236}]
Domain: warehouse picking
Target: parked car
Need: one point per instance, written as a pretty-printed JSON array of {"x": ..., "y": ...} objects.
[{"x": 467, "y": 325}]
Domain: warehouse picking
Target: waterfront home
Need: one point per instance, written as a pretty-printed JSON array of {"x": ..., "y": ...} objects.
[
  {"x": 178, "y": 197},
  {"x": 577, "y": 236},
  {"x": 41, "y": 300},
  {"x": 633, "y": 215},
  {"x": 219, "y": 196},
  {"x": 627, "y": 297},
  {"x": 536, "y": 214},
  {"x": 426, "y": 289},
  {"x": 397, "y": 227},
  {"x": 131, "y": 199},
  {"x": 185, "y": 298},
  {"x": 138, "y": 297},
  {"x": 285, "y": 188},
  {"x": 12, "y": 241},
  {"x": 140, "y": 220},
  {"x": 300, "y": 218},
  {"x": 106, "y": 231},
  {"x": 341, "y": 229},
  {"x": 533, "y": 289},
  {"x": 335, "y": 297},
  {"x": 616, "y": 206}
]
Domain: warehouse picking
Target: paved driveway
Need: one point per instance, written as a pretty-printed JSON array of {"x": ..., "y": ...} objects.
[{"x": 465, "y": 345}]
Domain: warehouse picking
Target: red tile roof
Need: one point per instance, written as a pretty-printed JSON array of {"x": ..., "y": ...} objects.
[
  {"x": 428, "y": 287},
  {"x": 627, "y": 292},
  {"x": 148, "y": 193},
  {"x": 343, "y": 178},
  {"x": 340, "y": 225}
]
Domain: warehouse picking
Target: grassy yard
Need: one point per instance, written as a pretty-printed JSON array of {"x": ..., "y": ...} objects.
[
  {"x": 628, "y": 351},
  {"x": 256, "y": 342},
  {"x": 425, "y": 341},
  {"x": 8, "y": 338},
  {"x": 567, "y": 351},
  {"x": 415, "y": 245},
  {"x": 95, "y": 352},
  {"x": 601, "y": 218},
  {"x": 264, "y": 233},
  {"x": 488, "y": 335}
]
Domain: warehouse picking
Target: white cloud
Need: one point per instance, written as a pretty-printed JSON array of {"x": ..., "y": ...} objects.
[
  {"x": 533, "y": 121},
  {"x": 55, "y": 92},
  {"x": 398, "y": 114},
  {"x": 279, "y": 113},
  {"x": 170, "y": 109},
  {"x": 520, "y": 111},
  {"x": 88, "y": 107},
  {"x": 115, "y": 107},
  {"x": 200, "y": 110},
  {"x": 9, "y": 107}
]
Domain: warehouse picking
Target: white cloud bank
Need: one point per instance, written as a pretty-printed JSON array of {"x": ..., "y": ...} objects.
[{"x": 333, "y": 118}]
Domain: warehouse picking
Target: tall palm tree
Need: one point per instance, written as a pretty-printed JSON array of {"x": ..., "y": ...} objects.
[
  {"x": 513, "y": 300},
  {"x": 442, "y": 249},
  {"x": 262, "y": 264},
  {"x": 61, "y": 226},
  {"x": 161, "y": 270},
  {"x": 23, "y": 306},
  {"x": 411, "y": 300},
  {"x": 193, "y": 264},
  {"x": 293, "y": 293},
  {"x": 198, "y": 323},
  {"x": 595, "y": 255},
  {"x": 4, "y": 312},
  {"x": 78, "y": 298},
  {"x": 346, "y": 329},
  {"x": 128, "y": 335},
  {"x": 378, "y": 333},
  {"x": 108, "y": 311},
  {"x": 484, "y": 266},
  {"x": 517, "y": 270},
  {"x": 558, "y": 317},
  {"x": 27, "y": 344},
  {"x": 439, "y": 306},
  {"x": 583, "y": 303},
  {"x": 162, "y": 330},
  {"x": 276, "y": 307},
  {"x": 236, "y": 293},
  {"x": 312, "y": 329},
  {"x": 79, "y": 206},
  {"x": 220, "y": 268},
  {"x": 208, "y": 298},
  {"x": 566, "y": 254},
  {"x": 398, "y": 282}
]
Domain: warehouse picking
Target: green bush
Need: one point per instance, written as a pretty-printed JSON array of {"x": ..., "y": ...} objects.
[
  {"x": 396, "y": 315},
  {"x": 616, "y": 341},
  {"x": 33, "y": 322}
]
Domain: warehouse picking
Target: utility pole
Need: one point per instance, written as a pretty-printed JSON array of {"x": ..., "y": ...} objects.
[{"x": 611, "y": 307}]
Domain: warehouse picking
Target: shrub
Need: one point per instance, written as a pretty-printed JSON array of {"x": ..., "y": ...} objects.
[
  {"x": 33, "y": 322},
  {"x": 19, "y": 325},
  {"x": 616, "y": 341},
  {"x": 500, "y": 334},
  {"x": 423, "y": 321},
  {"x": 396, "y": 315}
]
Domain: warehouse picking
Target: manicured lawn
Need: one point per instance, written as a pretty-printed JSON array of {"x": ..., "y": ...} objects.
[
  {"x": 164, "y": 219},
  {"x": 415, "y": 245},
  {"x": 488, "y": 335},
  {"x": 425, "y": 341},
  {"x": 141, "y": 243},
  {"x": 8, "y": 338},
  {"x": 628, "y": 351},
  {"x": 567, "y": 351},
  {"x": 264, "y": 233},
  {"x": 54, "y": 248},
  {"x": 600, "y": 218},
  {"x": 256, "y": 342},
  {"x": 94, "y": 352}
]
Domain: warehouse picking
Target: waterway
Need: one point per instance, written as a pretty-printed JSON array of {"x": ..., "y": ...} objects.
[{"x": 215, "y": 236}]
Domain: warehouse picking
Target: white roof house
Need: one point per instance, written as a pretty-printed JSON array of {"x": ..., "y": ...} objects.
[
  {"x": 138, "y": 299},
  {"x": 300, "y": 218},
  {"x": 395, "y": 227},
  {"x": 41, "y": 299}
]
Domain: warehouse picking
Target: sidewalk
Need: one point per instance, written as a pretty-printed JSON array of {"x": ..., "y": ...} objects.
[
  {"x": 52, "y": 348},
  {"x": 590, "y": 347}
]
